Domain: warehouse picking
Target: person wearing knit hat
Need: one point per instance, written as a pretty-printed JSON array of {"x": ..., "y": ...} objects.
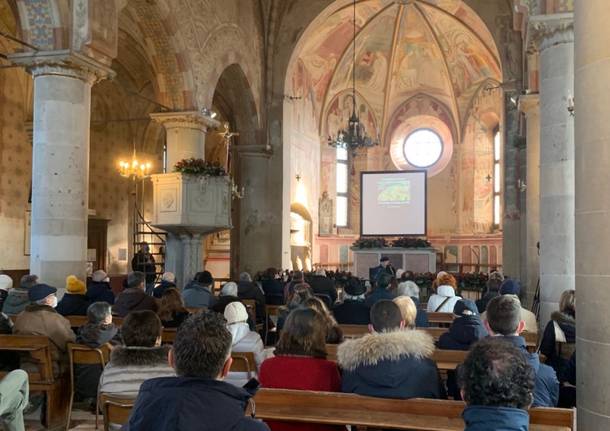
[
  {"x": 6, "y": 283},
  {"x": 244, "y": 340},
  {"x": 17, "y": 298},
  {"x": 168, "y": 281},
  {"x": 74, "y": 301},
  {"x": 98, "y": 289},
  {"x": 466, "y": 329},
  {"x": 513, "y": 287},
  {"x": 228, "y": 294}
]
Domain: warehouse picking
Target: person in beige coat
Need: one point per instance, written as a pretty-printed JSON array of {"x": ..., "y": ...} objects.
[
  {"x": 40, "y": 318},
  {"x": 512, "y": 287}
]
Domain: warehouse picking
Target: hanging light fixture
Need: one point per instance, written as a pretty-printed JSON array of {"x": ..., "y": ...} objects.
[
  {"x": 134, "y": 169},
  {"x": 354, "y": 136}
]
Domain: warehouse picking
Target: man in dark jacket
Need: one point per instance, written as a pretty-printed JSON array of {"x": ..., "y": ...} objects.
[
  {"x": 390, "y": 362},
  {"x": 201, "y": 356},
  {"x": 168, "y": 281},
  {"x": 98, "y": 289},
  {"x": 352, "y": 311},
  {"x": 143, "y": 261},
  {"x": 492, "y": 290},
  {"x": 323, "y": 287},
  {"x": 199, "y": 292},
  {"x": 466, "y": 329},
  {"x": 504, "y": 319},
  {"x": 497, "y": 384},
  {"x": 134, "y": 298},
  {"x": 382, "y": 290},
  {"x": 384, "y": 267},
  {"x": 273, "y": 287},
  {"x": 246, "y": 289}
]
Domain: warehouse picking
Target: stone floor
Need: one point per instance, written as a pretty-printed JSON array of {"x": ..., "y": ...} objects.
[{"x": 81, "y": 420}]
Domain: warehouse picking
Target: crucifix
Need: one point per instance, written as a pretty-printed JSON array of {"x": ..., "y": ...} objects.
[{"x": 227, "y": 137}]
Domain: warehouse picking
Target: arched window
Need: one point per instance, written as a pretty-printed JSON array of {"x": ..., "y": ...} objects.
[
  {"x": 497, "y": 196},
  {"x": 341, "y": 214}
]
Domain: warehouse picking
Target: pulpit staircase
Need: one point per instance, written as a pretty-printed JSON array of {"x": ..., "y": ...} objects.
[{"x": 144, "y": 232}]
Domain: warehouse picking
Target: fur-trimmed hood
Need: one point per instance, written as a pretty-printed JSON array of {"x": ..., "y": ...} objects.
[
  {"x": 139, "y": 356},
  {"x": 563, "y": 319},
  {"x": 393, "y": 346}
]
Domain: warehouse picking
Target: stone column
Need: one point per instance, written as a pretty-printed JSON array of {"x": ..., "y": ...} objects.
[
  {"x": 554, "y": 36},
  {"x": 592, "y": 209},
  {"x": 185, "y": 134},
  {"x": 530, "y": 106},
  {"x": 60, "y": 165}
]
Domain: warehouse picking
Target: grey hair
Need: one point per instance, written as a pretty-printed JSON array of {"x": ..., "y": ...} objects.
[
  {"x": 229, "y": 289},
  {"x": 28, "y": 281},
  {"x": 98, "y": 311},
  {"x": 244, "y": 276}
]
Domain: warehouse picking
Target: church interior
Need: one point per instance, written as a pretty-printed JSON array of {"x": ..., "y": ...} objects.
[{"x": 235, "y": 137}]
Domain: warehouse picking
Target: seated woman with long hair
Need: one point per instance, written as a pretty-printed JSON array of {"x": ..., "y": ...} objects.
[
  {"x": 334, "y": 334},
  {"x": 172, "y": 311},
  {"x": 300, "y": 363}
]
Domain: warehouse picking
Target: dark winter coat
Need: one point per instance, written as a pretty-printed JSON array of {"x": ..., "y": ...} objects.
[
  {"x": 16, "y": 301},
  {"x": 558, "y": 354},
  {"x": 162, "y": 287},
  {"x": 8, "y": 360},
  {"x": 3, "y": 296},
  {"x": 377, "y": 295},
  {"x": 322, "y": 285},
  {"x": 197, "y": 295},
  {"x": 421, "y": 319},
  {"x": 546, "y": 390},
  {"x": 100, "y": 291},
  {"x": 274, "y": 291},
  {"x": 485, "y": 418},
  {"x": 352, "y": 313},
  {"x": 177, "y": 318},
  {"x": 390, "y": 365},
  {"x": 464, "y": 331},
  {"x": 145, "y": 262},
  {"x": 73, "y": 305},
  {"x": 482, "y": 303},
  {"x": 133, "y": 299},
  {"x": 191, "y": 404},
  {"x": 249, "y": 290}
]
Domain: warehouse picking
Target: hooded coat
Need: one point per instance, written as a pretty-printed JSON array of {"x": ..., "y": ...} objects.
[
  {"x": 245, "y": 340},
  {"x": 191, "y": 404},
  {"x": 390, "y": 365},
  {"x": 16, "y": 301},
  {"x": 486, "y": 418},
  {"x": 558, "y": 342},
  {"x": 196, "y": 295},
  {"x": 100, "y": 291},
  {"x": 133, "y": 299},
  {"x": 444, "y": 295},
  {"x": 463, "y": 332}
]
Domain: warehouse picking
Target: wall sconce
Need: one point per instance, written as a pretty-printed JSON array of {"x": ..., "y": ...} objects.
[{"x": 571, "y": 108}]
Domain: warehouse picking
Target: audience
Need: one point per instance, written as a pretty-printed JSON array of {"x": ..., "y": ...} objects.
[
  {"x": 74, "y": 302},
  {"x": 300, "y": 363},
  {"x": 334, "y": 334},
  {"x": 298, "y": 279},
  {"x": 323, "y": 287},
  {"x": 140, "y": 358},
  {"x": 559, "y": 337},
  {"x": 246, "y": 289},
  {"x": 199, "y": 292},
  {"x": 168, "y": 281},
  {"x": 134, "y": 298},
  {"x": 14, "y": 395},
  {"x": 197, "y": 398},
  {"x": 40, "y": 318},
  {"x": 406, "y": 285},
  {"x": 98, "y": 330},
  {"x": 98, "y": 289},
  {"x": 6, "y": 284},
  {"x": 492, "y": 290},
  {"x": 228, "y": 294},
  {"x": 504, "y": 319},
  {"x": 352, "y": 311},
  {"x": 382, "y": 289},
  {"x": 421, "y": 319},
  {"x": 467, "y": 328},
  {"x": 300, "y": 294},
  {"x": 408, "y": 311},
  {"x": 445, "y": 298},
  {"x": 171, "y": 309},
  {"x": 243, "y": 339},
  {"x": 17, "y": 299},
  {"x": 273, "y": 287},
  {"x": 496, "y": 381},
  {"x": 390, "y": 362},
  {"x": 512, "y": 287}
]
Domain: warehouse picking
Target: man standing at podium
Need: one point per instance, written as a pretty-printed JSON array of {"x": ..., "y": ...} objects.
[{"x": 384, "y": 266}]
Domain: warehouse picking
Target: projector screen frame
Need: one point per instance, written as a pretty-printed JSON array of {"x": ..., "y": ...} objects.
[{"x": 410, "y": 171}]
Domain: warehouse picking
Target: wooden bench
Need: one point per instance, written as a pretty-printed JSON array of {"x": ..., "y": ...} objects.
[
  {"x": 531, "y": 338},
  {"x": 56, "y": 389},
  {"x": 416, "y": 414},
  {"x": 244, "y": 362},
  {"x": 116, "y": 410},
  {"x": 354, "y": 331},
  {"x": 440, "y": 319},
  {"x": 168, "y": 336}
]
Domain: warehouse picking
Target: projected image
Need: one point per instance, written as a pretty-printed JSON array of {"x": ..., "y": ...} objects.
[{"x": 394, "y": 191}]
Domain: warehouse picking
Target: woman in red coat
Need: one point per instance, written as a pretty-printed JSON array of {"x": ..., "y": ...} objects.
[{"x": 300, "y": 363}]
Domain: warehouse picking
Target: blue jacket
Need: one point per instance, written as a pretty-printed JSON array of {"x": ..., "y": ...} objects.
[
  {"x": 73, "y": 305},
  {"x": 484, "y": 418},
  {"x": 196, "y": 295},
  {"x": 377, "y": 295},
  {"x": 463, "y": 332},
  {"x": 100, "y": 291},
  {"x": 546, "y": 390},
  {"x": 191, "y": 404},
  {"x": 390, "y": 365},
  {"x": 421, "y": 319}
]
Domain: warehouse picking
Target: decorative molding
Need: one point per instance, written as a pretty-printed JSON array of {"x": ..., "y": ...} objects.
[
  {"x": 546, "y": 31},
  {"x": 63, "y": 63},
  {"x": 185, "y": 120},
  {"x": 253, "y": 151},
  {"x": 529, "y": 104}
]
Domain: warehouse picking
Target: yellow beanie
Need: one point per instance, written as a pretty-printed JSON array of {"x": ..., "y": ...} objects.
[{"x": 74, "y": 285}]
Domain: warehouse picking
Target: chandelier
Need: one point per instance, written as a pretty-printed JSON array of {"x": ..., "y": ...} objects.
[
  {"x": 134, "y": 169},
  {"x": 354, "y": 136}
]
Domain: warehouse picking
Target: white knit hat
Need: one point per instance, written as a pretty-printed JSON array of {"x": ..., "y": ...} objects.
[
  {"x": 169, "y": 277},
  {"x": 99, "y": 276},
  {"x": 235, "y": 312},
  {"x": 229, "y": 289},
  {"x": 6, "y": 282}
]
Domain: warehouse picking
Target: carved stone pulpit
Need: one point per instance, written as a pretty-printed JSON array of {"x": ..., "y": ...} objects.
[{"x": 188, "y": 207}]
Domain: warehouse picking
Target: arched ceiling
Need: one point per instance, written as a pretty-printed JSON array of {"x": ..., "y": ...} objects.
[{"x": 403, "y": 48}]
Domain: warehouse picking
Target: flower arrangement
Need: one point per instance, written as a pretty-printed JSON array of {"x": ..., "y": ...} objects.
[
  {"x": 199, "y": 167},
  {"x": 408, "y": 242},
  {"x": 370, "y": 243}
]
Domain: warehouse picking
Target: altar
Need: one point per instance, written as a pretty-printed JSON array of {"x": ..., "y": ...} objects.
[{"x": 418, "y": 260}]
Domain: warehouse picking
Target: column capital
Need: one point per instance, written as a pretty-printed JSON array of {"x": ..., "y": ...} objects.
[
  {"x": 546, "y": 31},
  {"x": 63, "y": 63},
  {"x": 185, "y": 120},
  {"x": 529, "y": 104}
]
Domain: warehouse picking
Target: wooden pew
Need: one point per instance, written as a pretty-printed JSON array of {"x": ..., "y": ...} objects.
[
  {"x": 415, "y": 414},
  {"x": 57, "y": 390},
  {"x": 440, "y": 319},
  {"x": 168, "y": 336},
  {"x": 354, "y": 331}
]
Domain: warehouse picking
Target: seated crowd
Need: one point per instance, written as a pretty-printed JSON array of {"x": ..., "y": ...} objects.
[{"x": 177, "y": 386}]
